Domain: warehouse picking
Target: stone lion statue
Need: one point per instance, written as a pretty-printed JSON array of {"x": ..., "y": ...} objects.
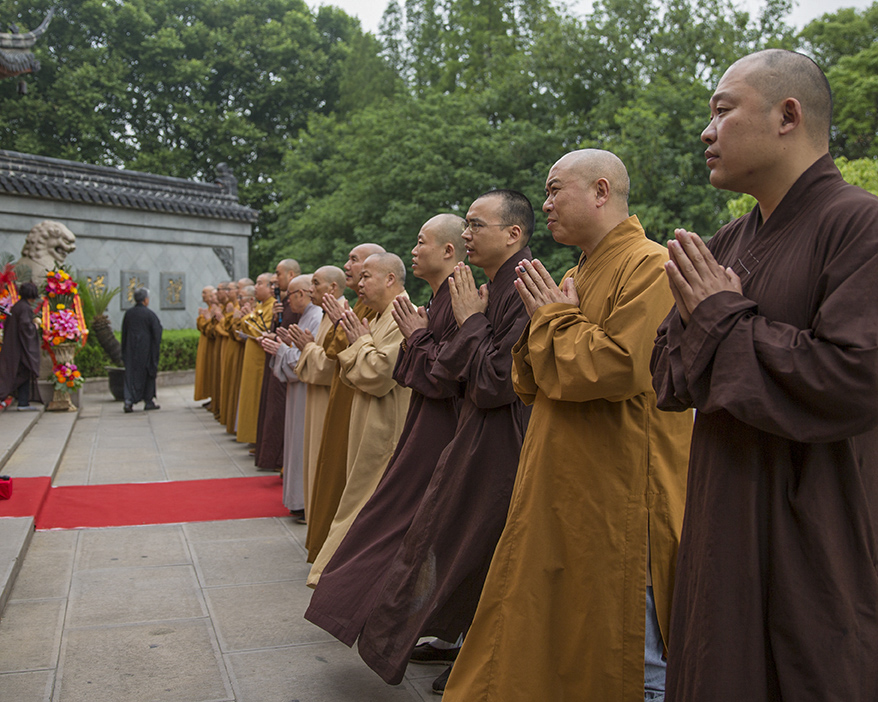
[{"x": 47, "y": 244}]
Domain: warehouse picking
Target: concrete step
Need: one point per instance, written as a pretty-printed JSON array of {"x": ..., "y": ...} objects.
[
  {"x": 14, "y": 426},
  {"x": 33, "y": 444},
  {"x": 15, "y": 536}
]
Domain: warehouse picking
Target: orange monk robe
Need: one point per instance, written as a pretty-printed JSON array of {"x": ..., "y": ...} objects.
[
  {"x": 222, "y": 339},
  {"x": 229, "y": 346},
  {"x": 232, "y": 374},
  {"x": 331, "y": 472},
  {"x": 315, "y": 369},
  {"x": 600, "y": 490},
  {"x": 251, "y": 371},
  {"x": 378, "y": 413},
  {"x": 202, "y": 361}
]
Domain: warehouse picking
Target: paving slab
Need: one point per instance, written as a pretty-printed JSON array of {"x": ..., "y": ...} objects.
[
  {"x": 173, "y": 661},
  {"x": 130, "y": 595},
  {"x": 126, "y": 547},
  {"x": 27, "y": 687},
  {"x": 14, "y": 426},
  {"x": 39, "y": 453},
  {"x": 48, "y": 568},
  {"x": 238, "y": 562},
  {"x": 31, "y": 634}
]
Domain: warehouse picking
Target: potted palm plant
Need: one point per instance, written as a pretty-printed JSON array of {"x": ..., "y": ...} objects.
[{"x": 102, "y": 329}]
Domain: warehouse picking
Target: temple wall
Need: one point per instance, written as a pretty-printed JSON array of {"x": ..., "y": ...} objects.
[{"x": 175, "y": 255}]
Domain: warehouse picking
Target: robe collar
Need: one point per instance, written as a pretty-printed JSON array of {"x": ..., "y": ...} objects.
[
  {"x": 818, "y": 175},
  {"x": 627, "y": 231},
  {"x": 506, "y": 274}
]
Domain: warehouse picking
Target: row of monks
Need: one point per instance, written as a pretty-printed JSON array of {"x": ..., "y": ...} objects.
[
  {"x": 399, "y": 429},
  {"x": 507, "y": 465}
]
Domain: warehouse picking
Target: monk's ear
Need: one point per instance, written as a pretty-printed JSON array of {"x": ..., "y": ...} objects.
[
  {"x": 791, "y": 115},
  {"x": 448, "y": 251},
  {"x": 513, "y": 235},
  {"x": 601, "y": 191}
]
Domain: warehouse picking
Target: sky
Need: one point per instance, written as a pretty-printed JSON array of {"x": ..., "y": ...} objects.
[{"x": 370, "y": 11}]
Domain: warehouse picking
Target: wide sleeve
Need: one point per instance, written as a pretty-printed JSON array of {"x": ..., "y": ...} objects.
[
  {"x": 480, "y": 355},
  {"x": 414, "y": 367},
  {"x": 314, "y": 366},
  {"x": 368, "y": 363},
  {"x": 575, "y": 359},
  {"x": 283, "y": 363}
]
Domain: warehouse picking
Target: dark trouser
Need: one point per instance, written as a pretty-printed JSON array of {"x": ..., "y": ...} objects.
[
  {"x": 24, "y": 393},
  {"x": 131, "y": 395}
]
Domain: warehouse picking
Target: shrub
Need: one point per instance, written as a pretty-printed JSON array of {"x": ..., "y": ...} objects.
[{"x": 179, "y": 348}]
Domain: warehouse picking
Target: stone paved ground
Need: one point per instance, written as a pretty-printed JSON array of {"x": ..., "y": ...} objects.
[{"x": 177, "y": 613}]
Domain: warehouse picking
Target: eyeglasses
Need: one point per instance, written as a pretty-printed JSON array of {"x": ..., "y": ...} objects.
[{"x": 476, "y": 227}]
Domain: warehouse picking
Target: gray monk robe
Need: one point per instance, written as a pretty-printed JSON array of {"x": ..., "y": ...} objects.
[
  {"x": 434, "y": 582},
  {"x": 776, "y": 595},
  {"x": 357, "y": 572},
  {"x": 283, "y": 365}
]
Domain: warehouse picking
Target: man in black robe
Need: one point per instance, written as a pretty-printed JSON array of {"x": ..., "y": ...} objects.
[
  {"x": 433, "y": 585},
  {"x": 774, "y": 339},
  {"x": 141, "y": 342},
  {"x": 20, "y": 355},
  {"x": 355, "y": 575},
  {"x": 269, "y": 451}
]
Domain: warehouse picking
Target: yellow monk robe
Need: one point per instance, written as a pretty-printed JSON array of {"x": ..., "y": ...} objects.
[
  {"x": 251, "y": 371},
  {"x": 222, "y": 340},
  {"x": 202, "y": 361},
  {"x": 378, "y": 413},
  {"x": 228, "y": 346},
  {"x": 601, "y": 481},
  {"x": 331, "y": 472},
  {"x": 236, "y": 364},
  {"x": 316, "y": 370}
]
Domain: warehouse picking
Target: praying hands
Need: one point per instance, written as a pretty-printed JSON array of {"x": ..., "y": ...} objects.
[
  {"x": 693, "y": 273},
  {"x": 536, "y": 287}
]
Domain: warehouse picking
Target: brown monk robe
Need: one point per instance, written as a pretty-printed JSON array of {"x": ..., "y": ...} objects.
[
  {"x": 273, "y": 400},
  {"x": 433, "y": 584},
  {"x": 331, "y": 471},
  {"x": 774, "y": 340},
  {"x": 356, "y": 573},
  {"x": 202, "y": 357}
]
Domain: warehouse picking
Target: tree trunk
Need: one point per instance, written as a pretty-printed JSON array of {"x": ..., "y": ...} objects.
[{"x": 100, "y": 327}]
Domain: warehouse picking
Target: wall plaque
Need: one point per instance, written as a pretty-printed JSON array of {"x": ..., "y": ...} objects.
[
  {"x": 131, "y": 280},
  {"x": 173, "y": 291}
]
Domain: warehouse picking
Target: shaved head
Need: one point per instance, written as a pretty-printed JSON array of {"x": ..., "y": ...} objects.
[
  {"x": 590, "y": 164},
  {"x": 448, "y": 229},
  {"x": 385, "y": 263},
  {"x": 244, "y": 282},
  {"x": 290, "y": 265},
  {"x": 778, "y": 74},
  {"x": 301, "y": 282},
  {"x": 366, "y": 250},
  {"x": 330, "y": 275}
]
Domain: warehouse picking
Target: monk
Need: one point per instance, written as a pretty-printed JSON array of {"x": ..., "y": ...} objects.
[
  {"x": 285, "y": 357},
  {"x": 379, "y": 406},
  {"x": 774, "y": 339},
  {"x": 221, "y": 340},
  {"x": 355, "y": 575},
  {"x": 602, "y": 470},
  {"x": 272, "y": 403},
  {"x": 228, "y": 350},
  {"x": 433, "y": 584},
  {"x": 330, "y": 473},
  {"x": 245, "y": 302},
  {"x": 203, "y": 378},
  {"x": 315, "y": 369},
  {"x": 253, "y": 326}
]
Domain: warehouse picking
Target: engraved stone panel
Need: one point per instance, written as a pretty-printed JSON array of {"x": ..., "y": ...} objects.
[
  {"x": 97, "y": 280},
  {"x": 131, "y": 280},
  {"x": 173, "y": 291}
]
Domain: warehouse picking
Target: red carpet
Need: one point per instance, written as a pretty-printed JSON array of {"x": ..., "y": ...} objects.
[
  {"x": 28, "y": 495},
  {"x": 79, "y": 506}
]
